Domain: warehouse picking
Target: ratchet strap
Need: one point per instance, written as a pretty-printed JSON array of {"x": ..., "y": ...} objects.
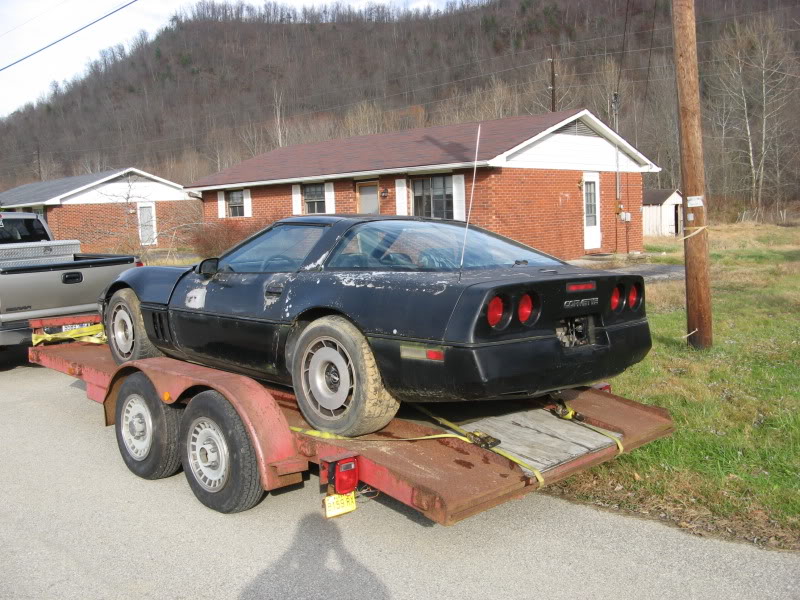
[
  {"x": 92, "y": 334},
  {"x": 563, "y": 411},
  {"x": 477, "y": 438}
]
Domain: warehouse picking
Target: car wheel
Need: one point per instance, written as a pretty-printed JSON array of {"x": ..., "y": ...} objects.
[
  {"x": 124, "y": 325},
  {"x": 147, "y": 430},
  {"x": 337, "y": 382},
  {"x": 218, "y": 458}
]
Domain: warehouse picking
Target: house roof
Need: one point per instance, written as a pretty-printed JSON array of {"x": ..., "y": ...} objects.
[
  {"x": 447, "y": 146},
  {"x": 656, "y": 197},
  {"x": 52, "y": 191}
]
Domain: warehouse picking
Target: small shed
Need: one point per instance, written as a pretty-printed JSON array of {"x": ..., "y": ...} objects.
[{"x": 662, "y": 212}]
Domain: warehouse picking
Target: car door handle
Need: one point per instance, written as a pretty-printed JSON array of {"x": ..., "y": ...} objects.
[
  {"x": 274, "y": 288},
  {"x": 72, "y": 277}
]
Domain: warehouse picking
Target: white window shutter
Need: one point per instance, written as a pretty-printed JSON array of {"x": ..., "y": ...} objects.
[
  {"x": 248, "y": 204},
  {"x": 297, "y": 200},
  {"x": 330, "y": 198},
  {"x": 221, "y": 212},
  {"x": 400, "y": 197},
  {"x": 459, "y": 198}
]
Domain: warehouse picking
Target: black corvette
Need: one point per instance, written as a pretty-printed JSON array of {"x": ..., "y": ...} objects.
[{"x": 359, "y": 313}]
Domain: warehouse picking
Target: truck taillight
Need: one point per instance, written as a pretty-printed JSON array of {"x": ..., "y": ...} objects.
[{"x": 138, "y": 263}]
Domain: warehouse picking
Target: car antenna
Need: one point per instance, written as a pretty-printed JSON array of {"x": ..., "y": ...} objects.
[{"x": 471, "y": 196}]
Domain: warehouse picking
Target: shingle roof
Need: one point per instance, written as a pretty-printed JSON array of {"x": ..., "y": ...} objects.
[
  {"x": 447, "y": 144},
  {"x": 41, "y": 191},
  {"x": 657, "y": 196}
]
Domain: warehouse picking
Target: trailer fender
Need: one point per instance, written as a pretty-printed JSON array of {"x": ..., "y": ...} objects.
[{"x": 280, "y": 463}]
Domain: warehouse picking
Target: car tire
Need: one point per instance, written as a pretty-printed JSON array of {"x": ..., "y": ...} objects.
[
  {"x": 337, "y": 382},
  {"x": 125, "y": 330},
  {"x": 218, "y": 458},
  {"x": 148, "y": 431}
]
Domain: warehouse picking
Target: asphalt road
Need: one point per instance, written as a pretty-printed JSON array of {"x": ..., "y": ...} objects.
[{"x": 75, "y": 523}]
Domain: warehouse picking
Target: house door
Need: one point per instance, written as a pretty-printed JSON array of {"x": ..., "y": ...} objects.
[
  {"x": 147, "y": 223},
  {"x": 368, "y": 203},
  {"x": 592, "y": 239}
]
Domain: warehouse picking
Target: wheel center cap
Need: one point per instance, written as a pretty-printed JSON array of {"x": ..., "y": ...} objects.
[
  {"x": 332, "y": 377},
  {"x": 208, "y": 454},
  {"x": 136, "y": 427}
]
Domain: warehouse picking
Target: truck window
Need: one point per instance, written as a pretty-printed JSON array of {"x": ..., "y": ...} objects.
[{"x": 19, "y": 231}]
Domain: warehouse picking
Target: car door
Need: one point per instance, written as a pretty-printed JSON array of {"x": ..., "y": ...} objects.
[{"x": 233, "y": 319}]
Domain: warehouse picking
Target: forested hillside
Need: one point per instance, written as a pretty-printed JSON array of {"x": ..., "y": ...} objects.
[{"x": 223, "y": 82}]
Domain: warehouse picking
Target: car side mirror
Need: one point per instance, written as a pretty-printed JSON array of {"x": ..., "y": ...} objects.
[{"x": 208, "y": 267}]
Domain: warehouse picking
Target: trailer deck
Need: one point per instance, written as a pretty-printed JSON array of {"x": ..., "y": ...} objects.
[{"x": 447, "y": 479}]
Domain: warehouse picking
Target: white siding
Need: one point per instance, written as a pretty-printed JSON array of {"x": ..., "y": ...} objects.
[
  {"x": 120, "y": 191},
  {"x": 572, "y": 152},
  {"x": 330, "y": 198},
  {"x": 400, "y": 197}
]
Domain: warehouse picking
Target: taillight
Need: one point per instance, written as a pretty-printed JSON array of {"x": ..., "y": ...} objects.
[
  {"x": 525, "y": 308},
  {"x": 345, "y": 476},
  {"x": 616, "y": 298},
  {"x": 494, "y": 311},
  {"x": 138, "y": 263},
  {"x": 634, "y": 296}
]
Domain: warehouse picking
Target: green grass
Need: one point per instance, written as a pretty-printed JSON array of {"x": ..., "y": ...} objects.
[
  {"x": 659, "y": 248},
  {"x": 735, "y": 456}
]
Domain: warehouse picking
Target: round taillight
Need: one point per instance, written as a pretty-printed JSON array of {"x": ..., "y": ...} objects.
[
  {"x": 633, "y": 297},
  {"x": 495, "y": 310},
  {"x": 616, "y": 298},
  {"x": 525, "y": 308}
]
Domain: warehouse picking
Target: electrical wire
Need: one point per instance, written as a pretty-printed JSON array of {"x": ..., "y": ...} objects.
[
  {"x": 649, "y": 57},
  {"x": 33, "y": 18},
  {"x": 61, "y": 39},
  {"x": 624, "y": 40}
]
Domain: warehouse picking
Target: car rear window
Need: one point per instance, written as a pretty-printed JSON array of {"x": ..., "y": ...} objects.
[
  {"x": 19, "y": 231},
  {"x": 429, "y": 246}
]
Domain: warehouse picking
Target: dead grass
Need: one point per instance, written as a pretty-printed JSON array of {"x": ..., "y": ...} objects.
[{"x": 665, "y": 296}]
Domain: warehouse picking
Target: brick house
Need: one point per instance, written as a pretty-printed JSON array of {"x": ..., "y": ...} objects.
[
  {"x": 549, "y": 181},
  {"x": 117, "y": 211}
]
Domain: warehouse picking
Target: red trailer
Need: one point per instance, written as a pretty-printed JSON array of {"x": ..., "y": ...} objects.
[{"x": 445, "y": 475}]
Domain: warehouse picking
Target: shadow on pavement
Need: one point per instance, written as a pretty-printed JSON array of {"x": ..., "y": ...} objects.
[{"x": 317, "y": 565}]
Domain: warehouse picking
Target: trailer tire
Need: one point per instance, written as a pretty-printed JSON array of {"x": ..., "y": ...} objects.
[
  {"x": 147, "y": 429},
  {"x": 127, "y": 337},
  {"x": 329, "y": 353},
  {"x": 218, "y": 458}
]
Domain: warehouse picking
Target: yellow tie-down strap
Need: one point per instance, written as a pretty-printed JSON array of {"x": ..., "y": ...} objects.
[
  {"x": 569, "y": 413},
  {"x": 94, "y": 334},
  {"x": 461, "y": 434}
]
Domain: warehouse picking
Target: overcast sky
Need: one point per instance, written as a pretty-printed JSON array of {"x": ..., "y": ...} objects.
[{"x": 27, "y": 25}]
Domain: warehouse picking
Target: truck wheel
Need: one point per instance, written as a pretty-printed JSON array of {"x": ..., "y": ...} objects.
[
  {"x": 218, "y": 458},
  {"x": 124, "y": 325},
  {"x": 147, "y": 429},
  {"x": 337, "y": 382}
]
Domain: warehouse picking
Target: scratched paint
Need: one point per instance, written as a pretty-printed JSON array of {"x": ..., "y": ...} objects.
[{"x": 196, "y": 298}]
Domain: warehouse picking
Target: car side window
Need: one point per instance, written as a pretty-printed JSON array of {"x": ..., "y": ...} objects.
[{"x": 281, "y": 249}]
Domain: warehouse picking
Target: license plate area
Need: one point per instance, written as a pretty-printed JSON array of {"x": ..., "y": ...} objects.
[
  {"x": 574, "y": 332},
  {"x": 63, "y": 328}
]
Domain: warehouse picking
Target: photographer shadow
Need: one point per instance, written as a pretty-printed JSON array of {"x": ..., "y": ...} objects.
[{"x": 317, "y": 565}]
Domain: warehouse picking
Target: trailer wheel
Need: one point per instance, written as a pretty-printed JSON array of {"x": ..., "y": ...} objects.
[
  {"x": 124, "y": 325},
  {"x": 147, "y": 429},
  {"x": 218, "y": 458},
  {"x": 337, "y": 382}
]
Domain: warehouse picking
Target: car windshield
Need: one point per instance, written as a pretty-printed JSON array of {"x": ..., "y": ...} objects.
[
  {"x": 429, "y": 246},
  {"x": 18, "y": 231}
]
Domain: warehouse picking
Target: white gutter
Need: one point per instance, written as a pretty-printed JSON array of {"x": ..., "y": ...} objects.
[{"x": 421, "y": 169}]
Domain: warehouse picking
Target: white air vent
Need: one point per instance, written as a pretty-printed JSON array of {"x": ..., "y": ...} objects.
[{"x": 577, "y": 127}]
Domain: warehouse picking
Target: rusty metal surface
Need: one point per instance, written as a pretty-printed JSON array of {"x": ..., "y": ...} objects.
[
  {"x": 58, "y": 321},
  {"x": 446, "y": 479}
]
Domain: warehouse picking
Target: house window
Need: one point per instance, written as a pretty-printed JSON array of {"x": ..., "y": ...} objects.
[
  {"x": 235, "y": 202},
  {"x": 314, "y": 197},
  {"x": 433, "y": 197}
]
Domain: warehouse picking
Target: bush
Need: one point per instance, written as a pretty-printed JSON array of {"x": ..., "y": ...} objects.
[{"x": 213, "y": 239}]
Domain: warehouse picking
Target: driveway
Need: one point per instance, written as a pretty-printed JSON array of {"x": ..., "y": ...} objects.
[{"x": 77, "y": 524}]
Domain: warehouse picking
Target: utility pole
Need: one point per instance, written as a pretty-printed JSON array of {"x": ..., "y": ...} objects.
[
  {"x": 552, "y": 60},
  {"x": 698, "y": 293},
  {"x": 38, "y": 160}
]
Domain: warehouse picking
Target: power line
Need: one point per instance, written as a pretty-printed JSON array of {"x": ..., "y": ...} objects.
[
  {"x": 33, "y": 18},
  {"x": 51, "y": 44},
  {"x": 624, "y": 39},
  {"x": 650, "y": 56}
]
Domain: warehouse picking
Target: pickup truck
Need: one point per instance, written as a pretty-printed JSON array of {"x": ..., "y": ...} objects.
[{"x": 41, "y": 277}]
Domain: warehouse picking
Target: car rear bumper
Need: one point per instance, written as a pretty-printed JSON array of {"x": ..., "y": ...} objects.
[
  {"x": 518, "y": 369},
  {"x": 15, "y": 334}
]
